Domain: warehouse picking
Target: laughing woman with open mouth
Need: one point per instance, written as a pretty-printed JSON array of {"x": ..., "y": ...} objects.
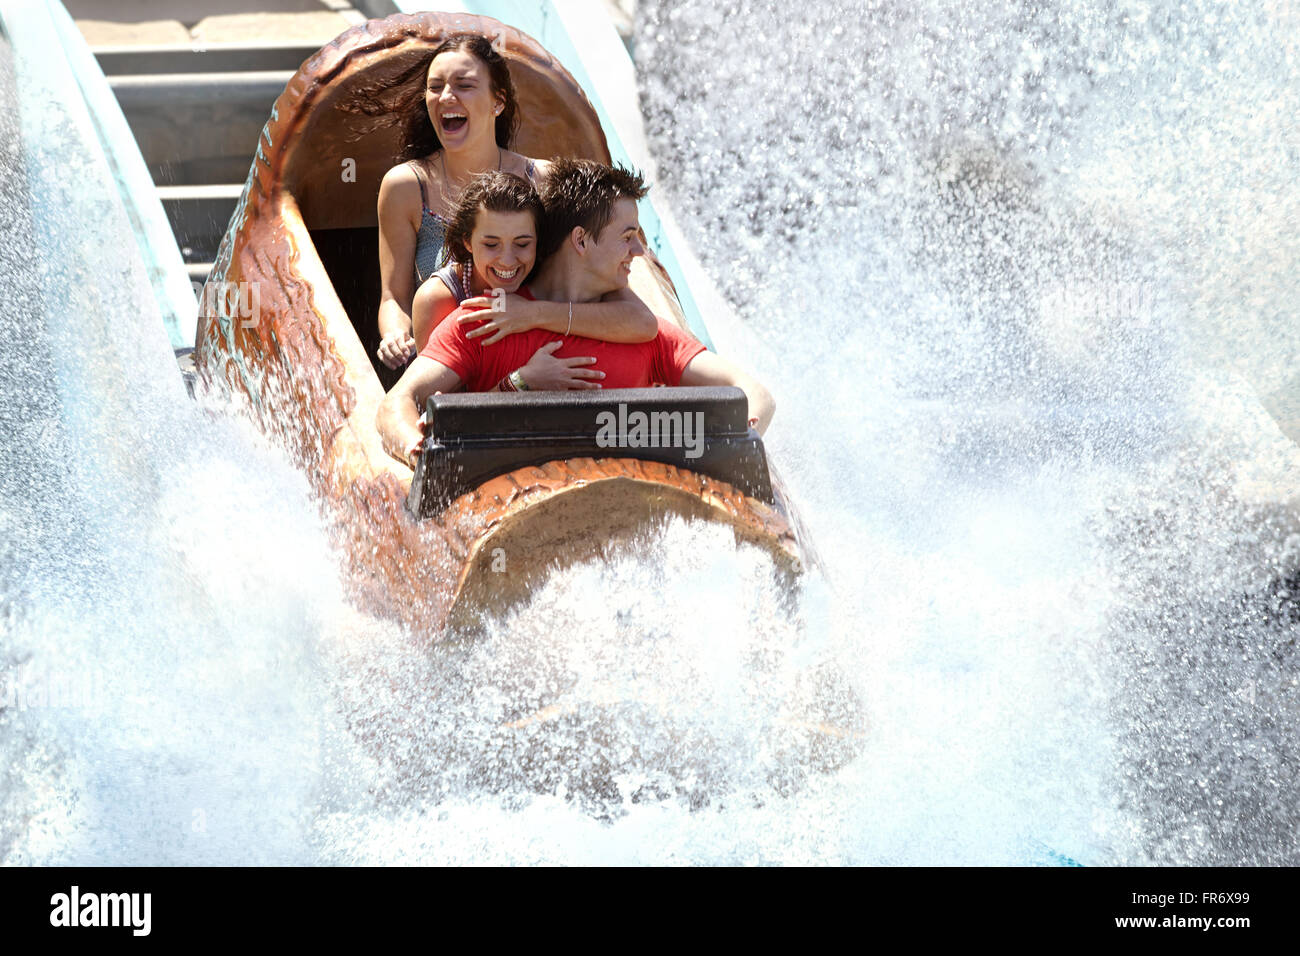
[{"x": 467, "y": 123}]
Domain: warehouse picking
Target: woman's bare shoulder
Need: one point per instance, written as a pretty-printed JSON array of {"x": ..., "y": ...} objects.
[
  {"x": 399, "y": 192},
  {"x": 401, "y": 175}
]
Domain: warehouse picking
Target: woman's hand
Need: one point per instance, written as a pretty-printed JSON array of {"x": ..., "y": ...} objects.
[
  {"x": 547, "y": 373},
  {"x": 514, "y": 314},
  {"x": 397, "y": 349}
]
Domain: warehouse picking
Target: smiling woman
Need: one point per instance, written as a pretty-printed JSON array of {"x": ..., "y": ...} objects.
[
  {"x": 491, "y": 241},
  {"x": 467, "y": 121},
  {"x": 465, "y": 127}
]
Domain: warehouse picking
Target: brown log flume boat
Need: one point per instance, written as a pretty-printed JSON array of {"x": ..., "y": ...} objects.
[{"x": 510, "y": 486}]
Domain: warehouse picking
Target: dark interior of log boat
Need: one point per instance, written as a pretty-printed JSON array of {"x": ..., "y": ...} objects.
[{"x": 351, "y": 258}]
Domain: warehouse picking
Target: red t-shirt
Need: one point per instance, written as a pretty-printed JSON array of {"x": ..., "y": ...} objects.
[{"x": 625, "y": 364}]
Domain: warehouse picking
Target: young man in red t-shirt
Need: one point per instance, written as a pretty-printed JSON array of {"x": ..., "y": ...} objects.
[{"x": 590, "y": 238}]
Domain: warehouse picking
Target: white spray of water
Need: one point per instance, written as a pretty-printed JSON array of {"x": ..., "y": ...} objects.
[
  {"x": 167, "y": 581},
  {"x": 1026, "y": 269},
  {"x": 1006, "y": 411}
]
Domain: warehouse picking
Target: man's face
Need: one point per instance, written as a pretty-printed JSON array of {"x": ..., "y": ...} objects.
[{"x": 610, "y": 259}]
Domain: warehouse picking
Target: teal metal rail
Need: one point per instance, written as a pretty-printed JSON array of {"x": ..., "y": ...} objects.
[{"x": 52, "y": 60}]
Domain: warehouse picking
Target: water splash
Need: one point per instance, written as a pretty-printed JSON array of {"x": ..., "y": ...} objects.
[
  {"x": 157, "y": 656},
  {"x": 1021, "y": 271},
  {"x": 995, "y": 271}
]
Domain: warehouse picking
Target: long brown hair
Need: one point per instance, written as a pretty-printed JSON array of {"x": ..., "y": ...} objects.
[
  {"x": 421, "y": 137},
  {"x": 494, "y": 191}
]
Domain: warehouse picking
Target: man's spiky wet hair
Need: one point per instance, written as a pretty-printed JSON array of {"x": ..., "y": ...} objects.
[{"x": 579, "y": 192}]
